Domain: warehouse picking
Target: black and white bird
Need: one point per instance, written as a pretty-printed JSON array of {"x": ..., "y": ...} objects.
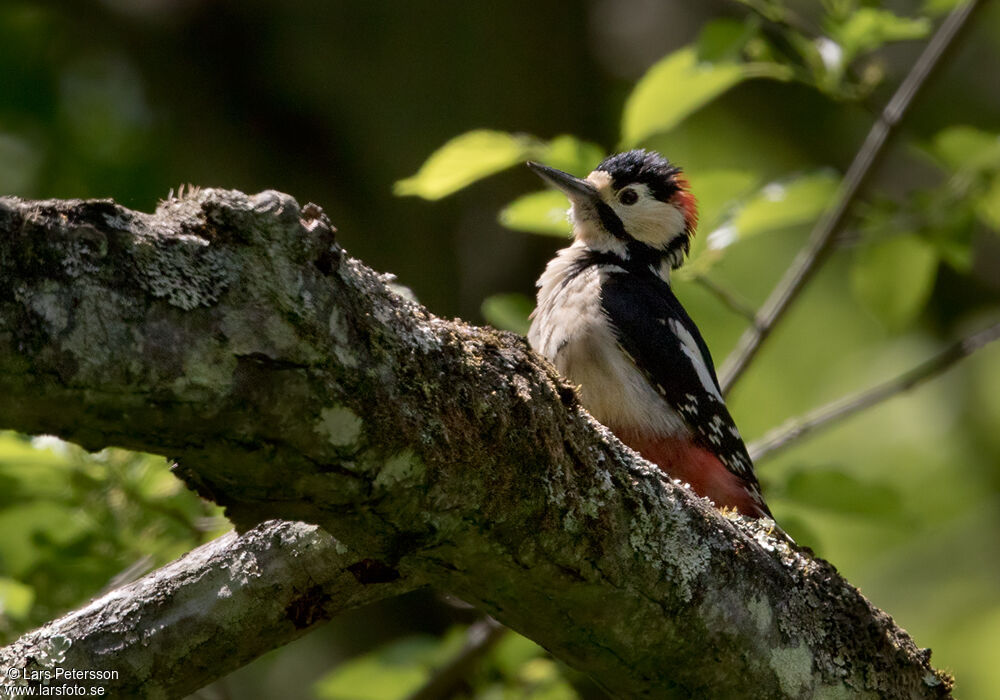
[{"x": 608, "y": 320}]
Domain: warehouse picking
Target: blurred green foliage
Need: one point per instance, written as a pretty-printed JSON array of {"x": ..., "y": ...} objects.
[
  {"x": 394, "y": 670},
  {"x": 763, "y": 102},
  {"x": 514, "y": 668},
  {"x": 75, "y": 523}
]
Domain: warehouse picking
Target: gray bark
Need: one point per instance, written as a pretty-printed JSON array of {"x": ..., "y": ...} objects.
[
  {"x": 213, "y": 610},
  {"x": 289, "y": 381}
]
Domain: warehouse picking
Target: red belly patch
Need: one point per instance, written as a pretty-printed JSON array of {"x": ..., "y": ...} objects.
[{"x": 683, "y": 460}]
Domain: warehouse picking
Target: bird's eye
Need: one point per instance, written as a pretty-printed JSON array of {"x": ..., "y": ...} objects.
[{"x": 628, "y": 196}]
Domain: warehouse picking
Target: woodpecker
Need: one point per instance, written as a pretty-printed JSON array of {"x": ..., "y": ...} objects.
[{"x": 609, "y": 321}]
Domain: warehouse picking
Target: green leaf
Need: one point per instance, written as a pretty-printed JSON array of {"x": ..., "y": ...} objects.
[
  {"x": 572, "y": 155},
  {"x": 723, "y": 39},
  {"x": 513, "y": 651},
  {"x": 508, "y": 312},
  {"x": 717, "y": 192},
  {"x": 782, "y": 204},
  {"x": 466, "y": 159},
  {"x": 16, "y": 598},
  {"x": 545, "y": 212},
  {"x": 678, "y": 85},
  {"x": 32, "y": 530},
  {"x": 988, "y": 204},
  {"x": 940, "y": 7},
  {"x": 869, "y": 28},
  {"x": 551, "y": 687},
  {"x": 393, "y": 671},
  {"x": 539, "y": 212},
  {"x": 776, "y": 206},
  {"x": 893, "y": 278},
  {"x": 371, "y": 678},
  {"x": 475, "y": 155},
  {"x": 835, "y": 490},
  {"x": 966, "y": 148}
]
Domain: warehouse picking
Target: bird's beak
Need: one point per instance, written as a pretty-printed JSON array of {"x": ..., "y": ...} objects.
[{"x": 573, "y": 187}]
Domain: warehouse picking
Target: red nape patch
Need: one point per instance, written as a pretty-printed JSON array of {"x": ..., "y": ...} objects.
[
  {"x": 688, "y": 463},
  {"x": 687, "y": 203}
]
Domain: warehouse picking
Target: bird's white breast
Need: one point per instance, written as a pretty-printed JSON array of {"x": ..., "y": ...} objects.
[{"x": 571, "y": 330}]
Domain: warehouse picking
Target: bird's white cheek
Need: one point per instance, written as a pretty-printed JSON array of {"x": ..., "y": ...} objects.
[{"x": 653, "y": 222}]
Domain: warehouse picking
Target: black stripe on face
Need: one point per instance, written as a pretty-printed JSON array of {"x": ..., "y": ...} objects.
[
  {"x": 677, "y": 249},
  {"x": 610, "y": 221}
]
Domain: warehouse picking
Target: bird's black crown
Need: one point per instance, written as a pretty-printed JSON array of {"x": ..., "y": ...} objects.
[{"x": 646, "y": 167}]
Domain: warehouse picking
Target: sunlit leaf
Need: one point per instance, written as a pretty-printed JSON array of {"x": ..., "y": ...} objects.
[
  {"x": 513, "y": 651},
  {"x": 966, "y": 148},
  {"x": 679, "y": 84},
  {"x": 776, "y": 206},
  {"x": 371, "y": 678},
  {"x": 780, "y": 205},
  {"x": 475, "y": 155},
  {"x": 16, "y": 598},
  {"x": 893, "y": 278},
  {"x": 466, "y": 159},
  {"x": 868, "y": 28},
  {"x": 572, "y": 155},
  {"x": 539, "y": 212},
  {"x": 988, "y": 204},
  {"x": 393, "y": 671},
  {"x": 549, "y": 686},
  {"x": 717, "y": 192},
  {"x": 835, "y": 490},
  {"x": 508, "y": 312}
]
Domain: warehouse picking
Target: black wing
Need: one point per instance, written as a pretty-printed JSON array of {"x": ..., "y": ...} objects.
[{"x": 653, "y": 328}]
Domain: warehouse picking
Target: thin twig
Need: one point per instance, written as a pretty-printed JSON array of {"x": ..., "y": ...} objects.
[
  {"x": 823, "y": 234},
  {"x": 823, "y": 417},
  {"x": 479, "y": 639},
  {"x": 731, "y": 301}
]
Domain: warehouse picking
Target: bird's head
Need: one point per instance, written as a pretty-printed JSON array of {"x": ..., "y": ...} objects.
[{"x": 635, "y": 204}]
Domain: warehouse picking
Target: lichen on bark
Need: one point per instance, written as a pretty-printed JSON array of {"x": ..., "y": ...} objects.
[{"x": 290, "y": 381}]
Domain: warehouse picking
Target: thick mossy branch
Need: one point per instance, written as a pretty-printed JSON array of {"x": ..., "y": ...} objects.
[{"x": 289, "y": 381}]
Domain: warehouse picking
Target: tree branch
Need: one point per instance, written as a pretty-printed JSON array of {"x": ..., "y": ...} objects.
[
  {"x": 821, "y": 239},
  {"x": 482, "y": 635},
  {"x": 795, "y": 429},
  {"x": 728, "y": 298},
  {"x": 206, "y": 614},
  {"x": 289, "y": 381}
]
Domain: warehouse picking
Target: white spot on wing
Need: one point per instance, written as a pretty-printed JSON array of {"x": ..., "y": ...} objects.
[{"x": 691, "y": 349}]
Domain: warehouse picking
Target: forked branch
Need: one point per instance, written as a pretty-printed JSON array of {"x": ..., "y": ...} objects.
[{"x": 809, "y": 259}]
